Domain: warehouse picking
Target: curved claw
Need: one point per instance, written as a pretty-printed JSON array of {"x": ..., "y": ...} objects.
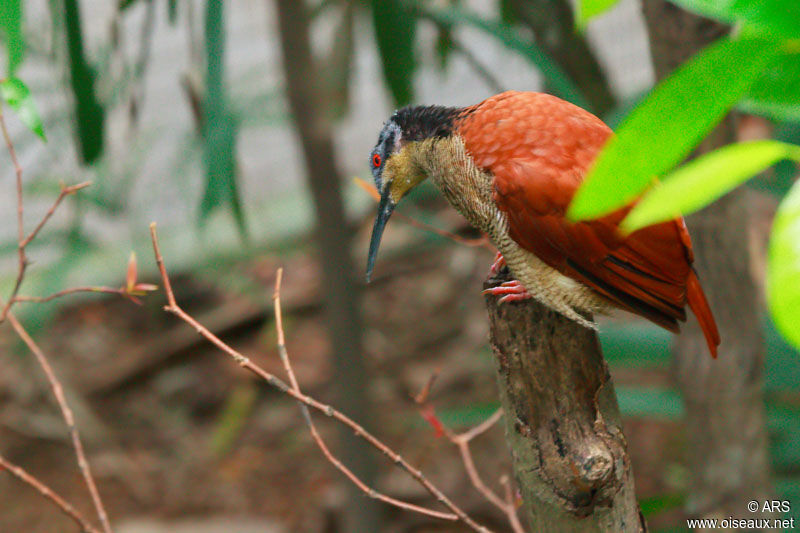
[
  {"x": 497, "y": 265},
  {"x": 510, "y": 291}
]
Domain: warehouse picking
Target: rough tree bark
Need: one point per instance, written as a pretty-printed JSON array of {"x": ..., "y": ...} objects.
[
  {"x": 562, "y": 421},
  {"x": 334, "y": 238},
  {"x": 725, "y": 423}
]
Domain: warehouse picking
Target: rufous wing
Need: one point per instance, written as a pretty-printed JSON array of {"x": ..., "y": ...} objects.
[{"x": 539, "y": 148}]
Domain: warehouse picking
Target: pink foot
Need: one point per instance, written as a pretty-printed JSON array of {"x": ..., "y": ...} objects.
[
  {"x": 497, "y": 266},
  {"x": 510, "y": 291}
]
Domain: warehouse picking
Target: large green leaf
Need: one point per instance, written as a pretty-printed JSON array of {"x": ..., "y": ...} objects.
[
  {"x": 768, "y": 17},
  {"x": 11, "y": 26},
  {"x": 18, "y": 97},
  {"x": 220, "y": 127},
  {"x": 776, "y": 92},
  {"x": 783, "y": 269},
  {"x": 588, "y": 9},
  {"x": 395, "y": 27},
  {"x": 670, "y": 122},
  {"x": 700, "y": 182},
  {"x": 557, "y": 79}
]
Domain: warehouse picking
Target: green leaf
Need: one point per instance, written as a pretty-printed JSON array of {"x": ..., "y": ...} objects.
[
  {"x": 557, "y": 79},
  {"x": 220, "y": 127},
  {"x": 588, "y": 9},
  {"x": 776, "y": 93},
  {"x": 395, "y": 27},
  {"x": 670, "y": 122},
  {"x": 700, "y": 182},
  {"x": 89, "y": 112},
  {"x": 18, "y": 97},
  {"x": 783, "y": 268},
  {"x": 779, "y": 18},
  {"x": 11, "y": 26}
]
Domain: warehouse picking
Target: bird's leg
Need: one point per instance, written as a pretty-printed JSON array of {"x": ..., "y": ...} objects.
[
  {"x": 497, "y": 266},
  {"x": 510, "y": 291}
]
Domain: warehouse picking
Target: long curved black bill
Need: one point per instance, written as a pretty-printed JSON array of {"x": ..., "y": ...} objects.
[{"x": 385, "y": 208}]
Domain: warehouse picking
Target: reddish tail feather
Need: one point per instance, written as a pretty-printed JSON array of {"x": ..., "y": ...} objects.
[{"x": 699, "y": 305}]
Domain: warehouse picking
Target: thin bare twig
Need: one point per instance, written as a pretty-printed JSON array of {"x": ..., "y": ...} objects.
[
  {"x": 511, "y": 505},
  {"x": 42, "y": 299},
  {"x": 66, "y": 190},
  {"x": 23, "y": 260},
  {"x": 172, "y": 307},
  {"x": 67, "y": 508},
  {"x": 66, "y": 411},
  {"x": 462, "y": 441},
  {"x": 55, "y": 384},
  {"x": 276, "y": 297},
  {"x": 23, "y": 240}
]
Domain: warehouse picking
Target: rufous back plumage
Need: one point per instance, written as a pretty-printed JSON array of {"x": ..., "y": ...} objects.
[{"x": 539, "y": 148}]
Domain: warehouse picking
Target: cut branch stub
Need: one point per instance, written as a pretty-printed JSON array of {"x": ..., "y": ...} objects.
[{"x": 562, "y": 420}]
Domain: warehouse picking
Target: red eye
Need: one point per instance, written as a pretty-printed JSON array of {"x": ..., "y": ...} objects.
[{"x": 376, "y": 160}]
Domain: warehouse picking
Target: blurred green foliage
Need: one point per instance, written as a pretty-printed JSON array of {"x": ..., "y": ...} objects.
[
  {"x": 395, "y": 28},
  {"x": 761, "y": 66},
  {"x": 219, "y": 125},
  {"x": 703, "y": 180},
  {"x": 89, "y": 112},
  {"x": 783, "y": 272},
  {"x": 18, "y": 97},
  {"x": 775, "y": 18},
  {"x": 511, "y": 38},
  {"x": 588, "y": 9},
  {"x": 667, "y": 125},
  {"x": 759, "y": 71},
  {"x": 776, "y": 92},
  {"x": 11, "y": 30}
]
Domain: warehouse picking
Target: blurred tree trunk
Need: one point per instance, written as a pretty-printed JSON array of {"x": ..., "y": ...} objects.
[
  {"x": 306, "y": 91},
  {"x": 725, "y": 421},
  {"x": 553, "y": 24},
  {"x": 562, "y": 421}
]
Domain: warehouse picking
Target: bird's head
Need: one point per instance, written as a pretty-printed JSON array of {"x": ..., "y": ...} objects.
[{"x": 394, "y": 160}]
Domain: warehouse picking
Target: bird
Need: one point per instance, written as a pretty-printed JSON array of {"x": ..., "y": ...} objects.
[{"x": 510, "y": 165}]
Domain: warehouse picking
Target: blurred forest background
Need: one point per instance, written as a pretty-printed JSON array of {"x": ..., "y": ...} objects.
[{"x": 239, "y": 125}]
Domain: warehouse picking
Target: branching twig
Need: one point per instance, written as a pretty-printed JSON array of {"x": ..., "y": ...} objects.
[
  {"x": 456, "y": 512},
  {"x": 58, "y": 392},
  {"x": 55, "y": 384},
  {"x": 23, "y": 240},
  {"x": 23, "y": 261},
  {"x": 462, "y": 440},
  {"x": 313, "y": 428},
  {"x": 48, "y": 493}
]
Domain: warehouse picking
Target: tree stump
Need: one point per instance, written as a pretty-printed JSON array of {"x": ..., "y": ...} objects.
[{"x": 562, "y": 421}]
